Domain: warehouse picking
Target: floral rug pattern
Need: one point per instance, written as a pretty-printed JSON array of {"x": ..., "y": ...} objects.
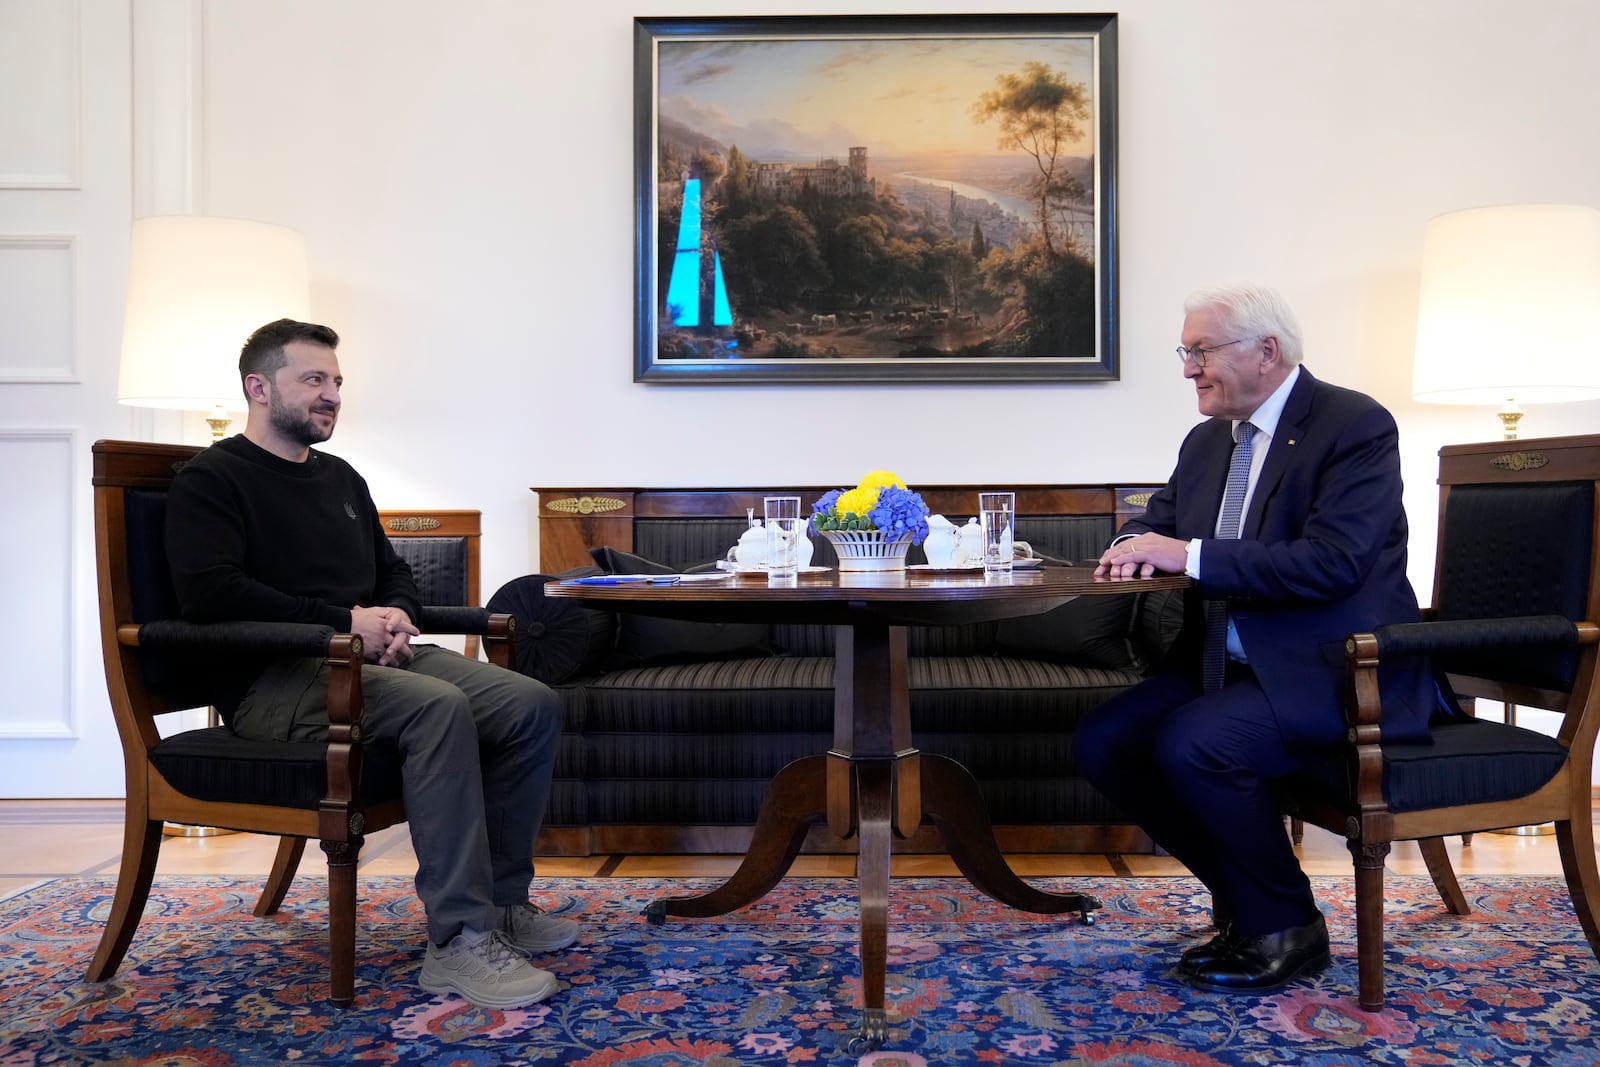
[{"x": 206, "y": 984}]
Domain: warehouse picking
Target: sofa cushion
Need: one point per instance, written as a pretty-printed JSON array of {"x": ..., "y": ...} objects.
[
  {"x": 556, "y": 638},
  {"x": 643, "y": 639},
  {"x": 1091, "y": 631}
]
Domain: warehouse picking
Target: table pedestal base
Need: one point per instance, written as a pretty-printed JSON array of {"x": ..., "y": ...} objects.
[{"x": 795, "y": 801}]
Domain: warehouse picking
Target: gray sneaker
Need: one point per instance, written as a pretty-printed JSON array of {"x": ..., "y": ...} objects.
[
  {"x": 486, "y": 971},
  {"x": 532, "y": 932}
]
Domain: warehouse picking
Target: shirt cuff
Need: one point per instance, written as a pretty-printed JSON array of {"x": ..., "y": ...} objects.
[{"x": 1191, "y": 562}]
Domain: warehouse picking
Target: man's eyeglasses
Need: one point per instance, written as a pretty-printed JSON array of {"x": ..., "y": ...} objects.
[{"x": 1199, "y": 355}]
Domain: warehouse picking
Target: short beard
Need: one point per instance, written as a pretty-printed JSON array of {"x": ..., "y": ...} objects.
[{"x": 297, "y": 428}]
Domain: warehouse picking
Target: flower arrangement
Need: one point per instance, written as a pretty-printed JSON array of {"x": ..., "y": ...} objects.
[{"x": 881, "y": 502}]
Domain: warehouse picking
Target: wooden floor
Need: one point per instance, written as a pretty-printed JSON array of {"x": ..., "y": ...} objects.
[{"x": 47, "y": 839}]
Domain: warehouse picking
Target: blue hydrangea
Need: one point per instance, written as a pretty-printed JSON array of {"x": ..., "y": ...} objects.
[
  {"x": 824, "y": 506},
  {"x": 898, "y": 512}
]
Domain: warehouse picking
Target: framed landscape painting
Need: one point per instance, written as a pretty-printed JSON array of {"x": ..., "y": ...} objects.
[{"x": 876, "y": 198}]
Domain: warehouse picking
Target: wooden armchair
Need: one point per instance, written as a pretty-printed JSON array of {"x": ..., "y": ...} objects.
[
  {"x": 334, "y": 792},
  {"x": 1517, "y": 596}
]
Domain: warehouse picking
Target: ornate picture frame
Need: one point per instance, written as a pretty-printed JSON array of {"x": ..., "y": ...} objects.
[{"x": 876, "y": 198}]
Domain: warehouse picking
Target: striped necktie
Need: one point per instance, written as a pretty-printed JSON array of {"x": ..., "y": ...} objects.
[{"x": 1214, "y": 660}]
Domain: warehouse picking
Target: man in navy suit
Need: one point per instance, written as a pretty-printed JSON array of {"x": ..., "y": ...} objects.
[{"x": 1310, "y": 548}]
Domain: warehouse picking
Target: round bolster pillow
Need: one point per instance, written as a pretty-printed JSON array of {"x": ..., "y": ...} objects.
[{"x": 556, "y": 638}]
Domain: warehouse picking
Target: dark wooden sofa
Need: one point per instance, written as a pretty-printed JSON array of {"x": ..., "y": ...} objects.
[{"x": 673, "y": 729}]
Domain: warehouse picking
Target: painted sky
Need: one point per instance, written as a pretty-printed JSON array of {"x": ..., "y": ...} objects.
[{"x": 800, "y": 99}]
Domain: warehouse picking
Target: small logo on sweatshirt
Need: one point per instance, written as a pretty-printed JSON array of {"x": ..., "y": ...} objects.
[{"x": 348, "y": 510}]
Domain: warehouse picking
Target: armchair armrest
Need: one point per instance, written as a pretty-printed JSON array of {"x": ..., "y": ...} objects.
[
  {"x": 267, "y": 640},
  {"x": 495, "y": 628},
  {"x": 1363, "y": 652},
  {"x": 1471, "y": 635},
  {"x": 455, "y": 620},
  {"x": 257, "y": 638}
]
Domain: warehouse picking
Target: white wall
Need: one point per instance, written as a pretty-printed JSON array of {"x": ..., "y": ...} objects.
[
  {"x": 463, "y": 174},
  {"x": 464, "y": 177}
]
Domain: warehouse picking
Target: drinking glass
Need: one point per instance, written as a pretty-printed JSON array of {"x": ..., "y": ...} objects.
[
  {"x": 997, "y": 516},
  {"x": 783, "y": 536}
]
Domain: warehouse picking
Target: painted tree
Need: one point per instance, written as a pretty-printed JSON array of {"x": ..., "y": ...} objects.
[{"x": 1042, "y": 114}]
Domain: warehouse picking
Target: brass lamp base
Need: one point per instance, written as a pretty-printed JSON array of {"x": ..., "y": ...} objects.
[{"x": 1510, "y": 415}]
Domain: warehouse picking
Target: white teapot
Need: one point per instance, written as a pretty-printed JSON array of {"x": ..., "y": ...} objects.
[
  {"x": 751, "y": 551},
  {"x": 969, "y": 544}
]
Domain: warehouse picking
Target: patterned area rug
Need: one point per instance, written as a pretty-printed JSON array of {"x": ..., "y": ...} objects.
[{"x": 970, "y": 981}]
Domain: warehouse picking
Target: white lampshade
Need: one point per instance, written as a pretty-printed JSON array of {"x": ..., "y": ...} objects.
[
  {"x": 197, "y": 288},
  {"x": 1509, "y": 308}
]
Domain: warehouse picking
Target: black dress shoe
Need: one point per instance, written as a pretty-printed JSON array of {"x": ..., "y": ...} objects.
[
  {"x": 1221, "y": 943},
  {"x": 1267, "y": 961}
]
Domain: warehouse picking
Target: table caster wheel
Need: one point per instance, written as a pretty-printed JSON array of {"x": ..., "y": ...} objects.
[
  {"x": 874, "y": 1028},
  {"x": 656, "y": 912}
]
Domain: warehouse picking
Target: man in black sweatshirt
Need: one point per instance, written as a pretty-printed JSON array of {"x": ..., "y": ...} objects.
[{"x": 262, "y": 527}]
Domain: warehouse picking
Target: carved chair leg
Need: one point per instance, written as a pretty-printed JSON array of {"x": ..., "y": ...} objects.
[
  {"x": 1575, "y": 842},
  {"x": 342, "y": 920},
  {"x": 141, "y": 844},
  {"x": 1369, "y": 922},
  {"x": 1444, "y": 875},
  {"x": 284, "y": 864}
]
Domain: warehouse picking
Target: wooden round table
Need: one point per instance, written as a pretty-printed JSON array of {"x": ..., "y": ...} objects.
[{"x": 873, "y": 783}]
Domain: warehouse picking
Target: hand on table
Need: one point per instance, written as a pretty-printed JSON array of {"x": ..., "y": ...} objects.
[{"x": 1143, "y": 556}]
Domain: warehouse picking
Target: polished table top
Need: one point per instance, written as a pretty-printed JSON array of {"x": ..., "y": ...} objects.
[{"x": 905, "y": 596}]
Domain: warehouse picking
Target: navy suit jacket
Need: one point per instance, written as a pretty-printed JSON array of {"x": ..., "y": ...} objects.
[{"x": 1321, "y": 555}]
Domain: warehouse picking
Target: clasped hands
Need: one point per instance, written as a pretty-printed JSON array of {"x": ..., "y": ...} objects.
[
  {"x": 1142, "y": 556},
  {"x": 385, "y": 632}
]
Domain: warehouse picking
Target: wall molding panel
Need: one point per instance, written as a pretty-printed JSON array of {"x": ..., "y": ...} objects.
[
  {"x": 39, "y": 305},
  {"x": 41, "y": 95},
  {"x": 38, "y": 648},
  {"x": 168, "y": 106}
]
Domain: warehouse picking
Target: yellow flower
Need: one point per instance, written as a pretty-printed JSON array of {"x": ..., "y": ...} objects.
[
  {"x": 864, "y": 496},
  {"x": 858, "y": 501},
  {"x": 879, "y": 479}
]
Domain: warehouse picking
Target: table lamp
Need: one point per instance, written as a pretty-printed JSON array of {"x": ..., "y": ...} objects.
[
  {"x": 197, "y": 287},
  {"x": 1509, "y": 308}
]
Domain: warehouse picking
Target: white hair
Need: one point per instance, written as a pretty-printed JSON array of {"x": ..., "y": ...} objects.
[{"x": 1252, "y": 311}]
